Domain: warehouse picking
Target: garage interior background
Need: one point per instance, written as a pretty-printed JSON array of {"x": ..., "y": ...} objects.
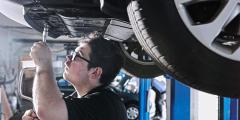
[{"x": 183, "y": 102}]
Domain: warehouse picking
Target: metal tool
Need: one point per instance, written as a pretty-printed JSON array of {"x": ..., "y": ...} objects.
[{"x": 45, "y": 33}]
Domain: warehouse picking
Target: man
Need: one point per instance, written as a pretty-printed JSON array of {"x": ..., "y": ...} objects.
[{"x": 90, "y": 69}]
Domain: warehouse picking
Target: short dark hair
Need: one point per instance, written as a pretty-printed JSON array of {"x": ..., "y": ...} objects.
[{"x": 105, "y": 54}]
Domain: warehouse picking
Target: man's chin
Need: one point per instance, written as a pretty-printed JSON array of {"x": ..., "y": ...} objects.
[{"x": 65, "y": 76}]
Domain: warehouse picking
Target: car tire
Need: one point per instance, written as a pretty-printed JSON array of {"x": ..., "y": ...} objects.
[
  {"x": 137, "y": 62},
  {"x": 163, "y": 34},
  {"x": 132, "y": 111}
]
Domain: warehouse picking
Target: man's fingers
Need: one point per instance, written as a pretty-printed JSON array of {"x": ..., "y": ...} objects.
[
  {"x": 42, "y": 43},
  {"x": 29, "y": 115},
  {"x": 28, "y": 112},
  {"x": 36, "y": 44},
  {"x": 39, "y": 44},
  {"x": 33, "y": 114},
  {"x": 27, "y": 118}
]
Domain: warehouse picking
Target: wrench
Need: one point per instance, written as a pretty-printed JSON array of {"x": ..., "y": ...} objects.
[{"x": 45, "y": 33}]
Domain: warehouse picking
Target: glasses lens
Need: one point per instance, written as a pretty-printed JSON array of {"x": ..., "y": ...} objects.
[{"x": 78, "y": 54}]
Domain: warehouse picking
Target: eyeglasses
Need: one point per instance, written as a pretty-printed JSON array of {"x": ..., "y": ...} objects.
[{"x": 74, "y": 55}]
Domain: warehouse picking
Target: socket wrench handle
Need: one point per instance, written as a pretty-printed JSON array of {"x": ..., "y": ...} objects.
[{"x": 45, "y": 33}]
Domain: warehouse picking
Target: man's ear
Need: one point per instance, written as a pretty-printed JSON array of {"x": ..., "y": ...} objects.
[{"x": 95, "y": 73}]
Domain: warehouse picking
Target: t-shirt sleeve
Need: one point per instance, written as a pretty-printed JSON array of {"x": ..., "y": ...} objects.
[{"x": 79, "y": 109}]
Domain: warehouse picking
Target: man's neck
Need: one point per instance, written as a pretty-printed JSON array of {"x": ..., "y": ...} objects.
[{"x": 84, "y": 90}]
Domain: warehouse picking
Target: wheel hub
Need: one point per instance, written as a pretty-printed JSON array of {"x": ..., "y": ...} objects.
[{"x": 132, "y": 113}]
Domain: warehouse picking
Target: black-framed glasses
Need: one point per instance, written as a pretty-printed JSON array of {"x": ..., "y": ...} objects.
[{"x": 78, "y": 54}]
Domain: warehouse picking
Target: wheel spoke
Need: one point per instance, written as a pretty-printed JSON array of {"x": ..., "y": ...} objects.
[
  {"x": 236, "y": 54},
  {"x": 179, "y": 3},
  {"x": 206, "y": 33}
]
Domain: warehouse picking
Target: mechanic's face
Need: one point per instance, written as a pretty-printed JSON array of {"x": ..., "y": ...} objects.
[{"x": 76, "y": 70}]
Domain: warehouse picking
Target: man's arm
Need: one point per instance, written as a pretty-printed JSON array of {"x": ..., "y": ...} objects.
[{"x": 47, "y": 98}]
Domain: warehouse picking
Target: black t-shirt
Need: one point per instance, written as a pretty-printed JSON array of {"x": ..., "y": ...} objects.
[{"x": 99, "y": 104}]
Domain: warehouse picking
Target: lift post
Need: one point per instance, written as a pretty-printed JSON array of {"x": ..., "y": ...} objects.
[
  {"x": 229, "y": 108},
  {"x": 179, "y": 100},
  {"x": 234, "y": 109},
  {"x": 145, "y": 85}
]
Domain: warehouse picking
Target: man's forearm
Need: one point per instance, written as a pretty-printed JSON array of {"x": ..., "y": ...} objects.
[
  {"x": 45, "y": 90},
  {"x": 47, "y": 98}
]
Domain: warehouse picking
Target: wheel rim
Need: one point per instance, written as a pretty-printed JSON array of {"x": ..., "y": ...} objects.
[
  {"x": 132, "y": 113},
  {"x": 217, "y": 28},
  {"x": 135, "y": 52}
]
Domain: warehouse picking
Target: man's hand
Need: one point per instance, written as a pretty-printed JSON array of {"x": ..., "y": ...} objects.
[
  {"x": 29, "y": 115},
  {"x": 41, "y": 55}
]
